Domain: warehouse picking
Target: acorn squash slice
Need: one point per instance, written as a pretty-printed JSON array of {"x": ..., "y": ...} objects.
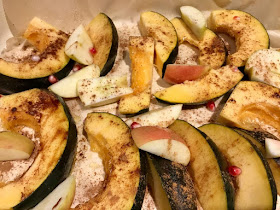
[
  {"x": 255, "y": 186},
  {"x": 51, "y": 121},
  {"x": 213, "y": 191},
  {"x": 104, "y": 37},
  {"x": 211, "y": 47},
  {"x": 170, "y": 184},
  {"x": 141, "y": 52},
  {"x": 28, "y": 74},
  {"x": 110, "y": 137},
  {"x": 253, "y": 106},
  {"x": 166, "y": 42},
  {"x": 275, "y": 168},
  {"x": 214, "y": 84},
  {"x": 250, "y": 35}
]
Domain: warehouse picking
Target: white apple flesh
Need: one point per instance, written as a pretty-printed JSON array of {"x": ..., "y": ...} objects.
[
  {"x": 272, "y": 148},
  {"x": 161, "y": 142},
  {"x": 103, "y": 90},
  {"x": 61, "y": 197},
  {"x": 78, "y": 46},
  {"x": 194, "y": 20},
  {"x": 162, "y": 117},
  {"x": 14, "y": 146},
  {"x": 67, "y": 87}
]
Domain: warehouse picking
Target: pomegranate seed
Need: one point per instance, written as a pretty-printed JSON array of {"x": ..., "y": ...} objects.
[
  {"x": 0, "y": 95},
  {"x": 236, "y": 18},
  {"x": 135, "y": 125},
  {"x": 35, "y": 58},
  {"x": 92, "y": 50},
  {"x": 234, "y": 170},
  {"x": 211, "y": 106},
  {"x": 52, "y": 79},
  {"x": 76, "y": 68},
  {"x": 235, "y": 69}
]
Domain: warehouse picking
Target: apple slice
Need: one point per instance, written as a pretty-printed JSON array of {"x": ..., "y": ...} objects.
[
  {"x": 162, "y": 117},
  {"x": 78, "y": 46},
  {"x": 161, "y": 142},
  {"x": 67, "y": 87},
  {"x": 103, "y": 90},
  {"x": 61, "y": 197},
  {"x": 194, "y": 20},
  {"x": 14, "y": 146},
  {"x": 178, "y": 73},
  {"x": 272, "y": 148}
]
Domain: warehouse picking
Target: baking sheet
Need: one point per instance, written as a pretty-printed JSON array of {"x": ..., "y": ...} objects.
[{"x": 15, "y": 15}]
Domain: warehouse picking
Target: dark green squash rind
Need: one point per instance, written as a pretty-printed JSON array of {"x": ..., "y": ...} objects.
[
  {"x": 175, "y": 180},
  {"x": 269, "y": 173},
  {"x": 229, "y": 189},
  {"x": 61, "y": 170},
  {"x": 171, "y": 59},
  {"x": 113, "y": 51},
  {"x": 139, "y": 198},
  {"x": 9, "y": 85}
]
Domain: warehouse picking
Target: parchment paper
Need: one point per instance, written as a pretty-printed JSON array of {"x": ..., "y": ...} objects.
[{"x": 68, "y": 14}]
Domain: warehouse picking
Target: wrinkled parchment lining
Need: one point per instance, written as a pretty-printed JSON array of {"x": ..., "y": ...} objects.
[{"x": 125, "y": 14}]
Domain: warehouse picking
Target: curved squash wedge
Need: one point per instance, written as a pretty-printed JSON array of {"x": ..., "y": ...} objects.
[
  {"x": 211, "y": 47},
  {"x": 50, "y": 118},
  {"x": 250, "y": 35},
  {"x": 28, "y": 74},
  {"x": 110, "y": 137},
  {"x": 215, "y": 84},
  {"x": 166, "y": 42},
  {"x": 141, "y": 52},
  {"x": 255, "y": 186},
  {"x": 215, "y": 191},
  {"x": 104, "y": 37}
]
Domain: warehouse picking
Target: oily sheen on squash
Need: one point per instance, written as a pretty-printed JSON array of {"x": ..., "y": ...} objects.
[
  {"x": 250, "y": 35},
  {"x": 28, "y": 74},
  {"x": 110, "y": 137},
  {"x": 255, "y": 186},
  {"x": 51, "y": 121},
  {"x": 104, "y": 37},
  {"x": 211, "y": 47},
  {"x": 141, "y": 53},
  {"x": 215, "y": 84},
  {"x": 214, "y": 190},
  {"x": 166, "y": 42}
]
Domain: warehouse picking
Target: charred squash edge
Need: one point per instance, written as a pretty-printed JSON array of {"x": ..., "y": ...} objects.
[{"x": 61, "y": 170}]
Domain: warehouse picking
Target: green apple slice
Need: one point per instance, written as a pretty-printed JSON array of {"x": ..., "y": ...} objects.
[
  {"x": 14, "y": 146},
  {"x": 78, "y": 46},
  {"x": 103, "y": 90},
  {"x": 194, "y": 20},
  {"x": 162, "y": 117},
  {"x": 61, "y": 197},
  {"x": 264, "y": 66},
  {"x": 67, "y": 87}
]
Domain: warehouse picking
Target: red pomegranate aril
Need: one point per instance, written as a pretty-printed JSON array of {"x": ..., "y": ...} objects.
[
  {"x": 0, "y": 95},
  {"x": 76, "y": 68},
  {"x": 211, "y": 106},
  {"x": 236, "y": 18},
  {"x": 52, "y": 79},
  {"x": 92, "y": 50},
  {"x": 234, "y": 170},
  {"x": 135, "y": 125}
]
